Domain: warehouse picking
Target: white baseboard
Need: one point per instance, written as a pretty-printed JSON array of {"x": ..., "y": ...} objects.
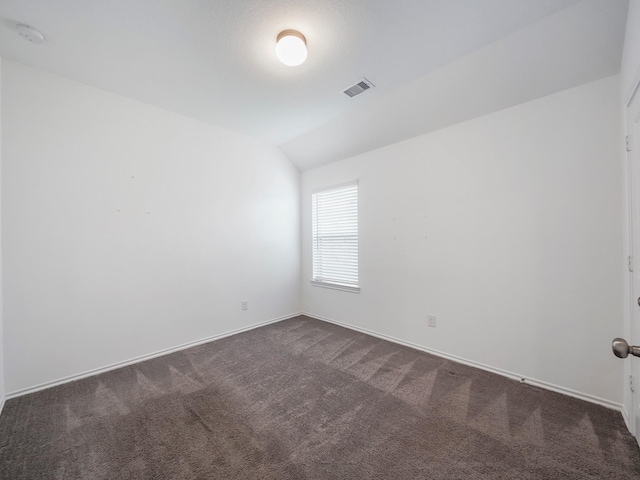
[
  {"x": 142, "y": 358},
  {"x": 455, "y": 358},
  {"x": 505, "y": 373},
  {"x": 625, "y": 417},
  {"x": 2, "y": 404}
]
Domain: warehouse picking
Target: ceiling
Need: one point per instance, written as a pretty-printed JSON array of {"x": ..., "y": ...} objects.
[{"x": 434, "y": 62}]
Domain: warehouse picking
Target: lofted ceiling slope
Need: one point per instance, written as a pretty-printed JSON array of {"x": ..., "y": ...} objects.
[{"x": 434, "y": 62}]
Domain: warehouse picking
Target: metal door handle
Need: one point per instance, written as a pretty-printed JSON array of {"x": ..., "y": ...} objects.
[{"x": 622, "y": 349}]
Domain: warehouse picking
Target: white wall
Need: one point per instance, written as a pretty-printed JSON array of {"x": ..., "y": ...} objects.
[
  {"x": 630, "y": 70},
  {"x": 507, "y": 228},
  {"x": 128, "y": 229}
]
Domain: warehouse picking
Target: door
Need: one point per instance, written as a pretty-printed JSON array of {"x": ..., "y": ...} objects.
[{"x": 633, "y": 158}]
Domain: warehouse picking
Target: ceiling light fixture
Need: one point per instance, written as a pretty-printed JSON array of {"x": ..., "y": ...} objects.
[{"x": 291, "y": 48}]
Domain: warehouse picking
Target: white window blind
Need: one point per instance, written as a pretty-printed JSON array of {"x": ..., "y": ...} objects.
[{"x": 335, "y": 237}]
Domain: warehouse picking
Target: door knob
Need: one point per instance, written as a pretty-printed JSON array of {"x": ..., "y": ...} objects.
[{"x": 622, "y": 349}]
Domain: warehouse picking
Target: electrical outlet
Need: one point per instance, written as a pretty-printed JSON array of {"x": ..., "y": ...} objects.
[
  {"x": 245, "y": 304},
  {"x": 431, "y": 320}
]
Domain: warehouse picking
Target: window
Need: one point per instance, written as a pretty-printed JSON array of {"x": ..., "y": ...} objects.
[{"x": 335, "y": 237}]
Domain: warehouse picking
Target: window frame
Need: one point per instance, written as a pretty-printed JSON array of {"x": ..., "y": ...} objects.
[{"x": 332, "y": 284}]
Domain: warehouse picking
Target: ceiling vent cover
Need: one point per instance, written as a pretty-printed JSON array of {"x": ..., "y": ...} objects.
[{"x": 362, "y": 86}]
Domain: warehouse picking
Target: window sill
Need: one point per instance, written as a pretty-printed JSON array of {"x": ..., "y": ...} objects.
[{"x": 335, "y": 286}]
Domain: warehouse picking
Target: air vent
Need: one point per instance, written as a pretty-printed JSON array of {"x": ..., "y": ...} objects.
[{"x": 362, "y": 86}]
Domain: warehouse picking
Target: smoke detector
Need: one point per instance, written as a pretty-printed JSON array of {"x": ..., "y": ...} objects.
[
  {"x": 356, "y": 89},
  {"x": 30, "y": 34}
]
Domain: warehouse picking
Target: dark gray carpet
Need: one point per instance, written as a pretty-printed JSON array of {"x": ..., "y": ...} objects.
[{"x": 304, "y": 399}]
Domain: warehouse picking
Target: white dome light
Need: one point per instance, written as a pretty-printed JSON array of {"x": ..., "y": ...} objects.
[{"x": 291, "y": 48}]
